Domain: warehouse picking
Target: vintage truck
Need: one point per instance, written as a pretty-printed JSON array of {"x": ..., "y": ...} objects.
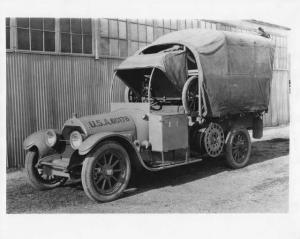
[{"x": 190, "y": 95}]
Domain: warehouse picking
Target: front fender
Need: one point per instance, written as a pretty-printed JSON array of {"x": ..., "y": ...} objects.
[
  {"x": 89, "y": 143},
  {"x": 37, "y": 139}
]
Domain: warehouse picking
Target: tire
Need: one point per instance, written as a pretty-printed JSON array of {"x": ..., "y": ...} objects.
[
  {"x": 126, "y": 95},
  {"x": 185, "y": 95},
  {"x": 238, "y": 148},
  {"x": 35, "y": 177},
  {"x": 106, "y": 172},
  {"x": 130, "y": 96}
]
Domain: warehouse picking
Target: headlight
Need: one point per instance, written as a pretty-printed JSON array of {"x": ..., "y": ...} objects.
[
  {"x": 51, "y": 138},
  {"x": 75, "y": 139}
]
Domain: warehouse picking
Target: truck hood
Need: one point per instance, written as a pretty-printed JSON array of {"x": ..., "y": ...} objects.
[{"x": 117, "y": 121}]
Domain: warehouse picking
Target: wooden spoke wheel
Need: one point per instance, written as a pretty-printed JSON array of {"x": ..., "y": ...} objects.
[
  {"x": 130, "y": 96},
  {"x": 106, "y": 172},
  {"x": 190, "y": 96},
  {"x": 37, "y": 175},
  {"x": 238, "y": 148}
]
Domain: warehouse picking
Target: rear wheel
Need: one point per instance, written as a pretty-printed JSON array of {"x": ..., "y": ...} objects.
[
  {"x": 238, "y": 148},
  {"x": 37, "y": 176},
  {"x": 106, "y": 172}
]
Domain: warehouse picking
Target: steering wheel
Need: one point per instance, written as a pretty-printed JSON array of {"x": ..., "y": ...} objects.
[
  {"x": 131, "y": 96},
  {"x": 155, "y": 104}
]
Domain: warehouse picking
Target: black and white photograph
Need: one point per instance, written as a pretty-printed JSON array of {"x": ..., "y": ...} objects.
[{"x": 140, "y": 114}]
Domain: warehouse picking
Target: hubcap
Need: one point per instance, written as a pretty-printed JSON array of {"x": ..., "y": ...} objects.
[{"x": 109, "y": 172}]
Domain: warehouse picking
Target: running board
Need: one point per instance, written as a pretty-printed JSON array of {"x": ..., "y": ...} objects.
[{"x": 171, "y": 164}]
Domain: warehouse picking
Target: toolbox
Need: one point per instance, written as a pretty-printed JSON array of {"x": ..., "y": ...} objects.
[{"x": 168, "y": 131}]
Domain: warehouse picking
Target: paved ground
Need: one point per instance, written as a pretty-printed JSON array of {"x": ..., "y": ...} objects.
[{"x": 208, "y": 186}]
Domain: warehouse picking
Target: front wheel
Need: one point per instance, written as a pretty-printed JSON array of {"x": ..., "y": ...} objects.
[
  {"x": 37, "y": 176},
  {"x": 106, "y": 172},
  {"x": 238, "y": 148}
]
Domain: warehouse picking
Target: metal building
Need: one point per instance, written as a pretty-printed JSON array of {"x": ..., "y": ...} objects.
[{"x": 58, "y": 66}]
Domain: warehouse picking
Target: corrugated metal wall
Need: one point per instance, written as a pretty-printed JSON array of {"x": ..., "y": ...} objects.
[
  {"x": 279, "y": 111},
  {"x": 44, "y": 90}
]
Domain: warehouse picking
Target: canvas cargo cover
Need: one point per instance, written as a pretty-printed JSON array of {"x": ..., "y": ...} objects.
[
  {"x": 237, "y": 68},
  {"x": 172, "y": 64}
]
